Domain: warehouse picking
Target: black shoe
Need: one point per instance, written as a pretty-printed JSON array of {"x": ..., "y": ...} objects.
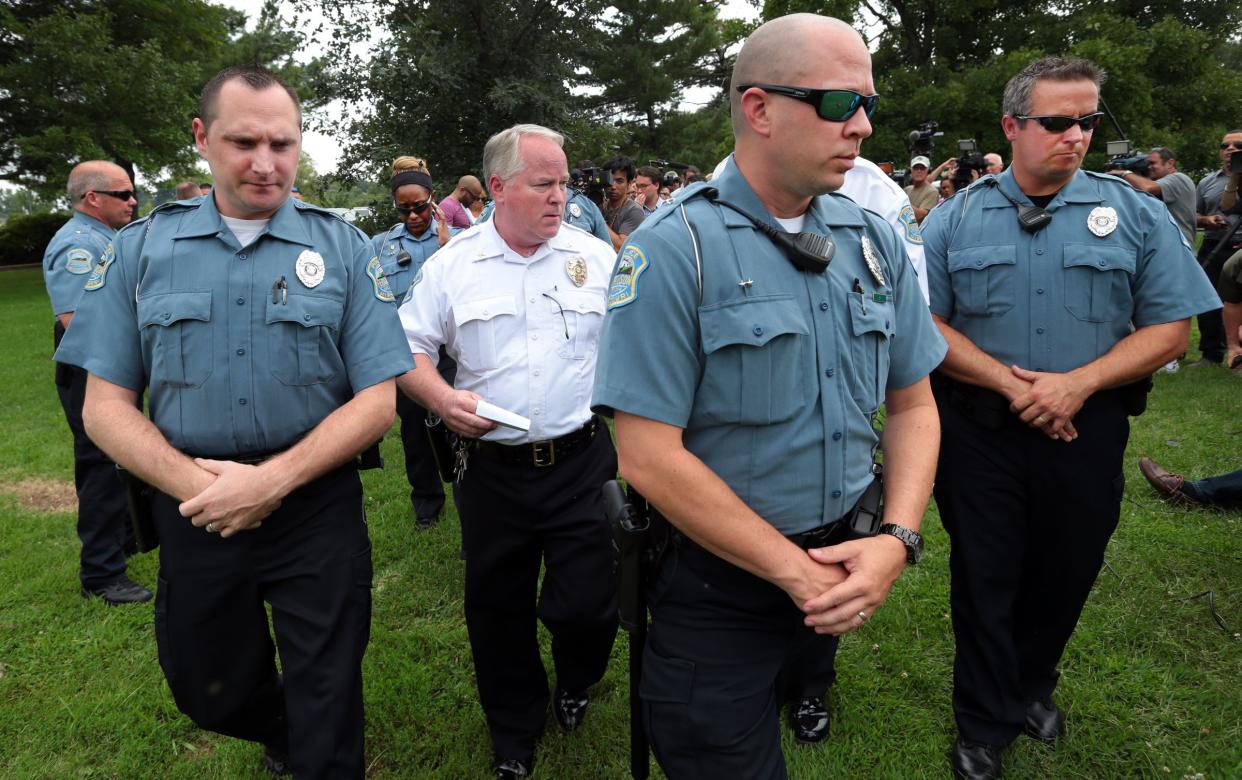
[
  {"x": 276, "y": 763},
  {"x": 122, "y": 590},
  {"x": 424, "y": 522},
  {"x": 809, "y": 719},
  {"x": 1044, "y": 721},
  {"x": 512, "y": 769},
  {"x": 569, "y": 709},
  {"x": 975, "y": 761}
]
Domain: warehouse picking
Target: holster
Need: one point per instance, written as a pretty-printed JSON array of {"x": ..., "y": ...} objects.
[
  {"x": 629, "y": 538},
  {"x": 370, "y": 458},
  {"x": 443, "y": 447},
  {"x": 862, "y": 521},
  {"x": 1134, "y": 395},
  {"x": 138, "y": 499}
]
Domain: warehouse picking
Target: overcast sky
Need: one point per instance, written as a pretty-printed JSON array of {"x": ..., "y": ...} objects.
[{"x": 325, "y": 150}]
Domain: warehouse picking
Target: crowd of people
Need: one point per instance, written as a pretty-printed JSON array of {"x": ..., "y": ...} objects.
[{"x": 742, "y": 332}]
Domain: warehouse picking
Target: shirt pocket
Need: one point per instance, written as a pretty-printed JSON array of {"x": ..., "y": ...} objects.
[
  {"x": 584, "y": 313},
  {"x": 1097, "y": 281},
  {"x": 301, "y": 338},
  {"x": 477, "y": 326},
  {"x": 982, "y": 278},
  {"x": 758, "y": 361},
  {"x": 871, "y": 325},
  {"x": 176, "y": 327}
]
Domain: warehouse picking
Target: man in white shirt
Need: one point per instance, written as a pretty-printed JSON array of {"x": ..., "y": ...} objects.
[{"x": 518, "y": 302}]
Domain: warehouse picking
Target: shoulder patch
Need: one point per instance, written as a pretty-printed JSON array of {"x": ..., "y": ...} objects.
[
  {"x": 99, "y": 276},
  {"x": 376, "y": 271},
  {"x": 78, "y": 261},
  {"x": 623, "y": 289},
  {"x": 910, "y": 224}
]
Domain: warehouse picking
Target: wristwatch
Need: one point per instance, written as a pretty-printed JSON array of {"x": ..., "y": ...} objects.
[{"x": 913, "y": 540}]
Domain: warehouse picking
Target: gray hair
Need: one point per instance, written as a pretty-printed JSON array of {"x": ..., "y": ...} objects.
[
  {"x": 87, "y": 176},
  {"x": 1018, "y": 91},
  {"x": 1166, "y": 154},
  {"x": 501, "y": 157}
]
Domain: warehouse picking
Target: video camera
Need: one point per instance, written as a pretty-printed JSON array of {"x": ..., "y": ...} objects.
[
  {"x": 670, "y": 169},
  {"x": 591, "y": 182},
  {"x": 1121, "y": 157},
  {"x": 969, "y": 161},
  {"x": 921, "y": 140}
]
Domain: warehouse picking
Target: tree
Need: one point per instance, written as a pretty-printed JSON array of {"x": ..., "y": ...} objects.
[{"x": 116, "y": 80}]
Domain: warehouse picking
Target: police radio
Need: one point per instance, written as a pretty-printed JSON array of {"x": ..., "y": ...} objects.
[{"x": 808, "y": 252}]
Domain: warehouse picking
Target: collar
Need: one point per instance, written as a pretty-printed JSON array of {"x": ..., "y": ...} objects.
[
  {"x": 494, "y": 246},
  {"x": 825, "y": 211},
  {"x": 1079, "y": 189},
  {"x": 285, "y": 224},
  {"x": 93, "y": 223},
  {"x": 429, "y": 233}
]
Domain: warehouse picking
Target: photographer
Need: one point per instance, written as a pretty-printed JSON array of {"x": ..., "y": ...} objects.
[
  {"x": 1218, "y": 220},
  {"x": 1170, "y": 185}
]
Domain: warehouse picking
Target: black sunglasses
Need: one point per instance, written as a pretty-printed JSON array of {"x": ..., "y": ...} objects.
[
  {"x": 833, "y": 105},
  {"x": 417, "y": 208},
  {"x": 1059, "y": 124},
  {"x": 1234, "y": 144},
  {"x": 118, "y": 194}
]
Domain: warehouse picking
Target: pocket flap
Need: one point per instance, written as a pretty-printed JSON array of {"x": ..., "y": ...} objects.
[
  {"x": 484, "y": 309},
  {"x": 166, "y": 308},
  {"x": 305, "y": 310},
  {"x": 752, "y": 322},
  {"x": 975, "y": 257},
  {"x": 1101, "y": 258},
  {"x": 870, "y": 316}
]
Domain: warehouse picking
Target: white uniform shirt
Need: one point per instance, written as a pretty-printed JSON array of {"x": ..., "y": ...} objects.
[
  {"x": 871, "y": 188},
  {"x": 523, "y": 333}
]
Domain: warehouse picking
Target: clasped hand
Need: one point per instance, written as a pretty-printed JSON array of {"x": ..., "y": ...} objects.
[
  {"x": 870, "y": 567},
  {"x": 238, "y": 499}
]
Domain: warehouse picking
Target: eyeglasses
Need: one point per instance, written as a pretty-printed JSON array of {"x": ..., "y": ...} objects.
[
  {"x": 832, "y": 105},
  {"x": 418, "y": 208},
  {"x": 1059, "y": 124},
  {"x": 118, "y": 194},
  {"x": 1234, "y": 144}
]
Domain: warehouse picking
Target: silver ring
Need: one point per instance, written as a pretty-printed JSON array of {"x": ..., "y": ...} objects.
[
  {"x": 862, "y": 616},
  {"x": 211, "y": 528}
]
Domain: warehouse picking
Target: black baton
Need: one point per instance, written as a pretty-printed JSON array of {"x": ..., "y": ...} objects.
[{"x": 629, "y": 536}]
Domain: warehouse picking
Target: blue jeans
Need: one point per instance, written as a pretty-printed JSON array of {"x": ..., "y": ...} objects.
[{"x": 1223, "y": 491}]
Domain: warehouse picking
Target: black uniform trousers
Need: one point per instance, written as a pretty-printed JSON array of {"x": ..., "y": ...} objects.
[
  {"x": 426, "y": 489},
  {"x": 103, "y": 515},
  {"x": 513, "y": 516},
  {"x": 1029, "y": 519},
  {"x": 311, "y": 560},
  {"x": 1211, "y": 323},
  {"x": 718, "y": 640}
]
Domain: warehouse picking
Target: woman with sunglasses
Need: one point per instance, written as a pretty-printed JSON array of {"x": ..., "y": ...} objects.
[{"x": 402, "y": 250}]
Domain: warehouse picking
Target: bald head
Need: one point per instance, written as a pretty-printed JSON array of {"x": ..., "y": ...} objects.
[
  {"x": 470, "y": 185},
  {"x": 102, "y": 190},
  {"x": 93, "y": 175},
  {"x": 790, "y": 51}
]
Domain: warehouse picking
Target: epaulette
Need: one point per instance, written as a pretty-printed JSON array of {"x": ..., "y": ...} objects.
[
  {"x": 1117, "y": 180},
  {"x": 172, "y": 205}
]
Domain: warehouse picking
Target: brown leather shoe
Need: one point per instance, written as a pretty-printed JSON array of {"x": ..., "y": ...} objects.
[{"x": 1167, "y": 484}]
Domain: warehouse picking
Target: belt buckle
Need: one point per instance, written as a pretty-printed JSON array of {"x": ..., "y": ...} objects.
[{"x": 544, "y": 452}]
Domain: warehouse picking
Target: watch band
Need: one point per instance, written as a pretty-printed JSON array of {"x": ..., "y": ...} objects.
[{"x": 912, "y": 540}]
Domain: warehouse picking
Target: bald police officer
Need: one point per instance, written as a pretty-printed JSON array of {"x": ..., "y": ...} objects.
[
  {"x": 1055, "y": 289},
  {"x": 743, "y": 377},
  {"x": 263, "y": 329},
  {"x": 102, "y": 198},
  {"x": 518, "y": 302}
]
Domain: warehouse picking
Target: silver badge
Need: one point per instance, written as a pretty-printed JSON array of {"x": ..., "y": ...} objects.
[
  {"x": 873, "y": 262},
  {"x": 309, "y": 268},
  {"x": 1102, "y": 220},
  {"x": 575, "y": 210},
  {"x": 577, "y": 270}
]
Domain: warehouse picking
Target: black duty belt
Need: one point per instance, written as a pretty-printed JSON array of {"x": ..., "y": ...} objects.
[
  {"x": 824, "y": 536},
  {"x": 540, "y": 454}
]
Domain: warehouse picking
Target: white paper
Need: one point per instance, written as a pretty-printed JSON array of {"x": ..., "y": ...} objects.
[{"x": 502, "y": 416}]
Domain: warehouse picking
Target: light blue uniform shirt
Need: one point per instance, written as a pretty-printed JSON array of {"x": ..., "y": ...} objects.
[
  {"x": 1059, "y": 298},
  {"x": 71, "y": 255},
  {"x": 579, "y": 212},
  {"x": 233, "y": 366},
  {"x": 774, "y": 373},
  {"x": 388, "y": 246}
]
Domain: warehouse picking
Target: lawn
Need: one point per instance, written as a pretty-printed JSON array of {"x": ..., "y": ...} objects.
[{"x": 1152, "y": 684}]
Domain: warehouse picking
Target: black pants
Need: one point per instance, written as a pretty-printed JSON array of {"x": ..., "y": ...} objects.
[
  {"x": 719, "y": 638},
  {"x": 426, "y": 490},
  {"x": 1211, "y": 323},
  {"x": 103, "y": 517},
  {"x": 1029, "y": 519},
  {"x": 311, "y": 560},
  {"x": 513, "y": 516}
]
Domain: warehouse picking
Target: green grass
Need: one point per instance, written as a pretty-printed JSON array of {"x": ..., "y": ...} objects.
[{"x": 1152, "y": 685}]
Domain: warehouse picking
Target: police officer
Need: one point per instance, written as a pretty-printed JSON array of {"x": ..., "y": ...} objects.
[
  {"x": 102, "y": 197},
  {"x": 402, "y": 250},
  {"x": 518, "y": 302},
  {"x": 266, "y": 339},
  {"x": 580, "y": 211},
  {"x": 743, "y": 378},
  {"x": 1055, "y": 289}
]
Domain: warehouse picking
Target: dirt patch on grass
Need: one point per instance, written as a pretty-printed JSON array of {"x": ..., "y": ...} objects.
[{"x": 43, "y": 495}]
